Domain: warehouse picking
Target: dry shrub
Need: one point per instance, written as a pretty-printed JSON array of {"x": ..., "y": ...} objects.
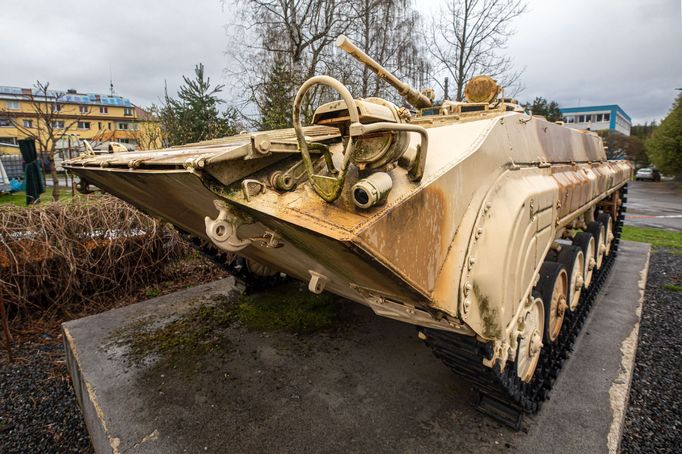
[{"x": 60, "y": 258}]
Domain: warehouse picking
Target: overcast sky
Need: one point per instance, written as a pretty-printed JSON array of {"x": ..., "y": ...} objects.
[{"x": 627, "y": 52}]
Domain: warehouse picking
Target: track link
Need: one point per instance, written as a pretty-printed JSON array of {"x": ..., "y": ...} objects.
[
  {"x": 501, "y": 394},
  {"x": 232, "y": 263}
]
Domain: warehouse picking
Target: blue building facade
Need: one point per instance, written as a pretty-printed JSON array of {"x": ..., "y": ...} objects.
[{"x": 596, "y": 118}]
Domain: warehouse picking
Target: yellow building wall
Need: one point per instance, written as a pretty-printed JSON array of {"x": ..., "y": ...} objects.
[{"x": 102, "y": 126}]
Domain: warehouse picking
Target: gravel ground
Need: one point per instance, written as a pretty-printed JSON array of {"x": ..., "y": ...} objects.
[
  {"x": 653, "y": 423},
  {"x": 38, "y": 410}
]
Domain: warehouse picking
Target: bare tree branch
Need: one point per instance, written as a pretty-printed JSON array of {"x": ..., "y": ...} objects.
[{"x": 466, "y": 40}]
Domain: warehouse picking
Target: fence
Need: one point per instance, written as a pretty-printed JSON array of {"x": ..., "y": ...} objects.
[{"x": 14, "y": 165}]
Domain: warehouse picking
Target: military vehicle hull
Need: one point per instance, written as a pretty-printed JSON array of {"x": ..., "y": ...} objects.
[
  {"x": 502, "y": 187},
  {"x": 488, "y": 228}
]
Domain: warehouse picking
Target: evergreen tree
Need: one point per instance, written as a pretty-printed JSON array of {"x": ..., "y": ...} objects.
[
  {"x": 275, "y": 103},
  {"x": 643, "y": 131},
  {"x": 665, "y": 145},
  {"x": 194, "y": 116},
  {"x": 540, "y": 106}
]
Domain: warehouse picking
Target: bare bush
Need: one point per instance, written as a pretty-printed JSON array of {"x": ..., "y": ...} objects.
[{"x": 61, "y": 258}]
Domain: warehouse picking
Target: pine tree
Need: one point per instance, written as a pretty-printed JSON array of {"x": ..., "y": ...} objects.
[
  {"x": 275, "y": 103},
  {"x": 195, "y": 115},
  {"x": 540, "y": 106}
]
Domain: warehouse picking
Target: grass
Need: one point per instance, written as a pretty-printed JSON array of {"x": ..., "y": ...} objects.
[
  {"x": 19, "y": 198},
  {"x": 657, "y": 237},
  {"x": 673, "y": 287},
  {"x": 15, "y": 198}
]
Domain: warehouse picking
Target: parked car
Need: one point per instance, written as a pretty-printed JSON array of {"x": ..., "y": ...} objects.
[{"x": 648, "y": 173}]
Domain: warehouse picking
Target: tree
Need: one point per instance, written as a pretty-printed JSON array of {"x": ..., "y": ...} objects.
[
  {"x": 148, "y": 132},
  {"x": 194, "y": 116},
  {"x": 294, "y": 40},
  {"x": 643, "y": 131},
  {"x": 665, "y": 145},
  {"x": 620, "y": 146},
  {"x": 300, "y": 32},
  {"x": 276, "y": 97},
  {"x": 49, "y": 126},
  {"x": 467, "y": 36},
  {"x": 390, "y": 32},
  {"x": 548, "y": 109}
]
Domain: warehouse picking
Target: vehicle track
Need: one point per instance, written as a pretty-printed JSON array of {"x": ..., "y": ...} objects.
[
  {"x": 232, "y": 263},
  {"x": 502, "y": 395}
]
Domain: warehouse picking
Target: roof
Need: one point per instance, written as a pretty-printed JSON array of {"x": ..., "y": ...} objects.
[
  {"x": 609, "y": 107},
  {"x": 143, "y": 114},
  {"x": 65, "y": 96}
]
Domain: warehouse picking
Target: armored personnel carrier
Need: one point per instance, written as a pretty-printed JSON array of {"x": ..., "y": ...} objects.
[{"x": 489, "y": 229}]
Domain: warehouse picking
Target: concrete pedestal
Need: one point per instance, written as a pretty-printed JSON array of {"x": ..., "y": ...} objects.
[{"x": 370, "y": 386}]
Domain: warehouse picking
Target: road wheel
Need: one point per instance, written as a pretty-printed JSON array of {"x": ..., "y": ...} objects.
[
  {"x": 552, "y": 289},
  {"x": 585, "y": 241},
  {"x": 530, "y": 341},
  {"x": 598, "y": 231},
  {"x": 259, "y": 269},
  {"x": 573, "y": 260},
  {"x": 607, "y": 221}
]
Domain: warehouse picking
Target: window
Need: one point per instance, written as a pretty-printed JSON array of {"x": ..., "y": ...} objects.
[
  {"x": 83, "y": 125},
  {"x": 588, "y": 118},
  {"x": 13, "y": 105},
  {"x": 56, "y": 107},
  {"x": 9, "y": 140},
  {"x": 607, "y": 117},
  {"x": 58, "y": 124},
  {"x": 123, "y": 126},
  {"x": 124, "y": 140},
  {"x": 99, "y": 125},
  {"x": 127, "y": 111},
  {"x": 109, "y": 125},
  {"x": 581, "y": 118},
  {"x": 5, "y": 123},
  {"x": 28, "y": 123},
  {"x": 570, "y": 119},
  {"x": 103, "y": 109},
  {"x": 83, "y": 109},
  {"x": 600, "y": 118}
]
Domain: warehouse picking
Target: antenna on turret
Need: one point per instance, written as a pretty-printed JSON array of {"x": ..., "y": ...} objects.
[{"x": 111, "y": 82}]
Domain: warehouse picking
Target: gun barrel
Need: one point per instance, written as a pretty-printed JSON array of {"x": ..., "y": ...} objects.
[{"x": 412, "y": 96}]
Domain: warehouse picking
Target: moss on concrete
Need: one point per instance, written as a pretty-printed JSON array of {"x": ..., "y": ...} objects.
[
  {"x": 202, "y": 329},
  {"x": 198, "y": 332},
  {"x": 290, "y": 308}
]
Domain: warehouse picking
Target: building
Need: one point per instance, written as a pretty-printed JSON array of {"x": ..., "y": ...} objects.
[
  {"x": 74, "y": 116},
  {"x": 597, "y": 118}
]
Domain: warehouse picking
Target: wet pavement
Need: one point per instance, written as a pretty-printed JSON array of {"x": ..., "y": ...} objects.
[{"x": 655, "y": 204}]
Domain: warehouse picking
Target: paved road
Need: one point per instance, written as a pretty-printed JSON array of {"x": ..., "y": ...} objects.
[{"x": 656, "y": 205}]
